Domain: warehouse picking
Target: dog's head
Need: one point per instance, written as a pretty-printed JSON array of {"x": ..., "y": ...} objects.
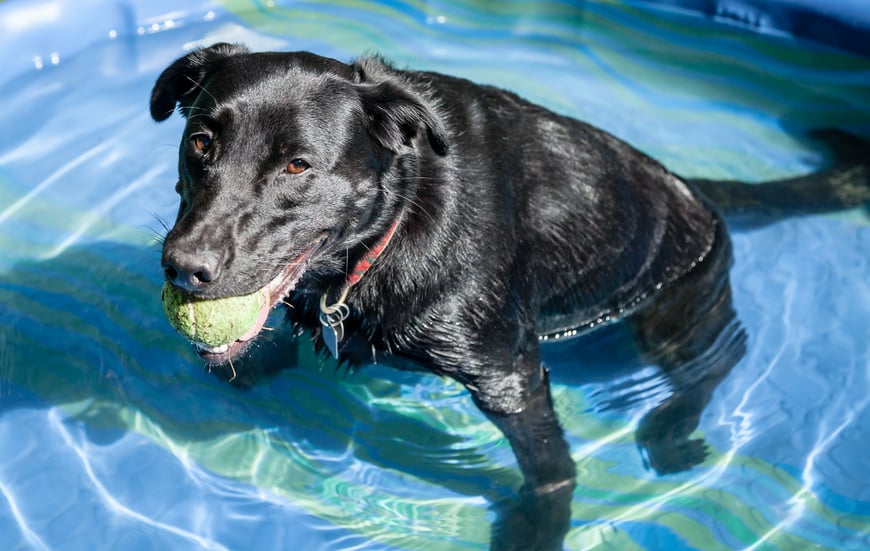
[{"x": 289, "y": 163}]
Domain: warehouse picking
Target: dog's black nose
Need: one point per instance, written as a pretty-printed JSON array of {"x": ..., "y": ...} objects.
[{"x": 191, "y": 271}]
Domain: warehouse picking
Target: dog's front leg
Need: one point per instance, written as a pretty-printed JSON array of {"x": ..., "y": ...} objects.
[{"x": 520, "y": 405}]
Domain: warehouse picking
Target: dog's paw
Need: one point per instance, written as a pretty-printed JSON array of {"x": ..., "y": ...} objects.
[
  {"x": 663, "y": 436},
  {"x": 672, "y": 456}
]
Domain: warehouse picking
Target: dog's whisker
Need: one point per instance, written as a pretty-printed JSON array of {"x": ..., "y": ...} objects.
[
  {"x": 233, "y": 369},
  {"x": 196, "y": 84},
  {"x": 159, "y": 238},
  {"x": 410, "y": 201},
  {"x": 190, "y": 108}
]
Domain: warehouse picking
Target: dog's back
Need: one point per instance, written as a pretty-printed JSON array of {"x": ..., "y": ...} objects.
[{"x": 587, "y": 225}]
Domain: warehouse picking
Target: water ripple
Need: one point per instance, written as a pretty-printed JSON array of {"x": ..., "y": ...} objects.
[{"x": 117, "y": 507}]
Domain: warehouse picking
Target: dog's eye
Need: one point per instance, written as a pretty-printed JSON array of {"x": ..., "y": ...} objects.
[
  {"x": 297, "y": 166},
  {"x": 201, "y": 142}
]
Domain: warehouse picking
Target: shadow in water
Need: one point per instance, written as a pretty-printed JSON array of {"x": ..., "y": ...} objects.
[{"x": 85, "y": 331}]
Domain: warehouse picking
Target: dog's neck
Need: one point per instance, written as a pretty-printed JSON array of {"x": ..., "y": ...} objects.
[
  {"x": 363, "y": 265},
  {"x": 332, "y": 316}
]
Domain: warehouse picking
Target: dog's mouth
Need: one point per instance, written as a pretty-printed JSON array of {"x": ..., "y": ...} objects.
[{"x": 275, "y": 292}]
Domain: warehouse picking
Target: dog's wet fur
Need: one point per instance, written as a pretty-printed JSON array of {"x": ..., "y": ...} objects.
[{"x": 514, "y": 225}]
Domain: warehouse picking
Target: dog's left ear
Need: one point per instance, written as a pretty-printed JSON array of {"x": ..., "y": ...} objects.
[
  {"x": 395, "y": 116},
  {"x": 180, "y": 82}
]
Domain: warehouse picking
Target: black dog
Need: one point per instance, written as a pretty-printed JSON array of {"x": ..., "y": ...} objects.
[{"x": 421, "y": 220}]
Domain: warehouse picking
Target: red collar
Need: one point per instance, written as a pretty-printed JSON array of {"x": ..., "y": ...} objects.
[
  {"x": 366, "y": 261},
  {"x": 332, "y": 316}
]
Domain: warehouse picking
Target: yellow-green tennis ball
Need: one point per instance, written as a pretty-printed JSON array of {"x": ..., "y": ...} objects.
[{"x": 212, "y": 322}]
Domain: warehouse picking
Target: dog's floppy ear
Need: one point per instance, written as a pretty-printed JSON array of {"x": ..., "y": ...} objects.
[
  {"x": 180, "y": 82},
  {"x": 395, "y": 114}
]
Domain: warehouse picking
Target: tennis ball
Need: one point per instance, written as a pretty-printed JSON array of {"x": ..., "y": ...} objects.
[{"x": 213, "y": 322}]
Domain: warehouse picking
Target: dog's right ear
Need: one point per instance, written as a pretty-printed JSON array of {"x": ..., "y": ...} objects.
[
  {"x": 395, "y": 113},
  {"x": 180, "y": 82}
]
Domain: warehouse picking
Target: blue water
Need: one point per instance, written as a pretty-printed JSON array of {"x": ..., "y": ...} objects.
[{"x": 113, "y": 436}]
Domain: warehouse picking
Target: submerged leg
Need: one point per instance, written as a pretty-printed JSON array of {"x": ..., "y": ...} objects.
[
  {"x": 521, "y": 406},
  {"x": 691, "y": 331}
]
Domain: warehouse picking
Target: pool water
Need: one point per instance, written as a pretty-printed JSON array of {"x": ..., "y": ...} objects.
[{"x": 113, "y": 436}]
